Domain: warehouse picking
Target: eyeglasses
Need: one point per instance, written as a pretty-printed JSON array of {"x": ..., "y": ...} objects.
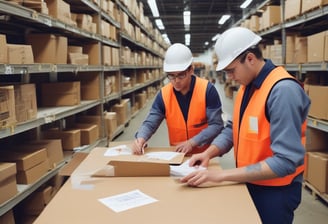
[
  {"x": 180, "y": 75},
  {"x": 239, "y": 60}
]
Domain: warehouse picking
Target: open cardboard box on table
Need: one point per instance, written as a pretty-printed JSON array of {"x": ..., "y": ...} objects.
[{"x": 122, "y": 164}]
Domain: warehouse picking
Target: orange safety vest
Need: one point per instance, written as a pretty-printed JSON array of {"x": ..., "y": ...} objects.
[
  {"x": 251, "y": 137},
  {"x": 178, "y": 129}
]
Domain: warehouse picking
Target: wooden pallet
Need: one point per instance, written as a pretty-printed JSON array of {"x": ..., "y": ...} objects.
[{"x": 315, "y": 193}]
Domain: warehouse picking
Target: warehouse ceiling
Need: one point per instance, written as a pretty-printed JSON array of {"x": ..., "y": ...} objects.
[{"x": 205, "y": 15}]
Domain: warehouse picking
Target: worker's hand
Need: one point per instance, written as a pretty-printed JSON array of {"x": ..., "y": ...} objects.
[
  {"x": 185, "y": 147},
  {"x": 200, "y": 159},
  {"x": 139, "y": 146},
  {"x": 201, "y": 176}
]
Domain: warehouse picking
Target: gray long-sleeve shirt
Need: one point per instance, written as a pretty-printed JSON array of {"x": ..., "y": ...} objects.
[
  {"x": 213, "y": 112},
  {"x": 287, "y": 108}
]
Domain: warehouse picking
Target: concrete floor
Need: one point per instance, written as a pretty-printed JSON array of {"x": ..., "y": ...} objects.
[{"x": 311, "y": 210}]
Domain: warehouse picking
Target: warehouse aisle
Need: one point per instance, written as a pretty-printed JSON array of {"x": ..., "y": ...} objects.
[{"x": 311, "y": 210}]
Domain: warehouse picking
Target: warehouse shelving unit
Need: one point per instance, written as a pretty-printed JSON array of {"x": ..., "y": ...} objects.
[{"x": 45, "y": 23}]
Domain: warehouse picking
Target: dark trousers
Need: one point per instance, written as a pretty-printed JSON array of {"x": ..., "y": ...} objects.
[{"x": 276, "y": 204}]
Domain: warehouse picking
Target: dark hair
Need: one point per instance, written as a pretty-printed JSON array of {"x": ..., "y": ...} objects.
[{"x": 254, "y": 49}]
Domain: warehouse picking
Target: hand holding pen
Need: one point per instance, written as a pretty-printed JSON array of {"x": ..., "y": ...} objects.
[{"x": 139, "y": 146}]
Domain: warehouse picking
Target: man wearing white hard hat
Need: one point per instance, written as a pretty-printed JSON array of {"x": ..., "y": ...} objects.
[
  {"x": 267, "y": 130},
  {"x": 190, "y": 105}
]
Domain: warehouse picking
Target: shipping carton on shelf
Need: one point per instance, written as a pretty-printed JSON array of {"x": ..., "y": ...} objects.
[
  {"x": 25, "y": 102},
  {"x": 319, "y": 107},
  {"x": 20, "y": 54},
  {"x": 70, "y": 138},
  {"x": 308, "y": 5},
  {"x": 317, "y": 171},
  {"x": 53, "y": 146},
  {"x": 48, "y": 48},
  {"x": 30, "y": 165},
  {"x": 316, "y": 47},
  {"x": 89, "y": 133},
  {"x": 3, "y": 49},
  {"x": 60, "y": 94},
  {"x": 8, "y": 217},
  {"x": 7, "y": 107},
  {"x": 8, "y": 183}
]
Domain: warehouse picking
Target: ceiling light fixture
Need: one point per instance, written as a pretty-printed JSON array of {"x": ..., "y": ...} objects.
[
  {"x": 245, "y": 4},
  {"x": 223, "y": 19},
  {"x": 166, "y": 38},
  {"x": 153, "y": 7},
  {"x": 186, "y": 17},
  {"x": 159, "y": 24},
  {"x": 187, "y": 39}
]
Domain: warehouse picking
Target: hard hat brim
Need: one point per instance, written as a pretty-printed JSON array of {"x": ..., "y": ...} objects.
[{"x": 176, "y": 67}]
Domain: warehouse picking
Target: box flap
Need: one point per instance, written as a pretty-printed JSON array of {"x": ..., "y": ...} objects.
[{"x": 68, "y": 169}]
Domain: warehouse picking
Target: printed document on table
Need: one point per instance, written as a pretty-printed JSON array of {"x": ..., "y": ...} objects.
[
  {"x": 118, "y": 150},
  {"x": 128, "y": 200}
]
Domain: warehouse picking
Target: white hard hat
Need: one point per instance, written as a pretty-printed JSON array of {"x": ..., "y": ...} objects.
[
  {"x": 232, "y": 43},
  {"x": 178, "y": 57}
]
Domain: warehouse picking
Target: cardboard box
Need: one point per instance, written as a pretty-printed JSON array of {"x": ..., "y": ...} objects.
[
  {"x": 59, "y": 9},
  {"x": 301, "y": 48},
  {"x": 110, "y": 123},
  {"x": 48, "y": 48},
  {"x": 31, "y": 175},
  {"x": 78, "y": 59},
  {"x": 7, "y": 218},
  {"x": 308, "y": 5},
  {"x": 141, "y": 98},
  {"x": 37, "y": 201},
  {"x": 316, "y": 140},
  {"x": 7, "y": 106},
  {"x": 271, "y": 16},
  {"x": 93, "y": 50},
  {"x": 290, "y": 49},
  {"x": 3, "y": 49},
  {"x": 318, "y": 96},
  {"x": 60, "y": 94},
  {"x": 254, "y": 23},
  {"x": 8, "y": 187},
  {"x": 89, "y": 133},
  {"x": 91, "y": 119},
  {"x": 316, "y": 47},
  {"x": 318, "y": 170},
  {"x": 25, "y": 102},
  {"x": 70, "y": 138},
  {"x": 106, "y": 55},
  {"x": 24, "y": 160},
  {"x": 20, "y": 54},
  {"x": 54, "y": 149},
  {"x": 90, "y": 86},
  {"x": 292, "y": 8}
]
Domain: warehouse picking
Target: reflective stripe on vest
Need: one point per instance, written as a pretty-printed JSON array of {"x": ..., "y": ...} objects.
[
  {"x": 178, "y": 129},
  {"x": 254, "y": 131}
]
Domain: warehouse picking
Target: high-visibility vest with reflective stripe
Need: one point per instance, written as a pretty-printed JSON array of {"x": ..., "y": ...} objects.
[
  {"x": 251, "y": 137},
  {"x": 178, "y": 129}
]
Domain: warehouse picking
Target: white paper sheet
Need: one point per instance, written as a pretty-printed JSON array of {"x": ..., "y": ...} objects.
[
  {"x": 128, "y": 200},
  {"x": 162, "y": 155},
  {"x": 184, "y": 169},
  {"x": 118, "y": 150}
]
